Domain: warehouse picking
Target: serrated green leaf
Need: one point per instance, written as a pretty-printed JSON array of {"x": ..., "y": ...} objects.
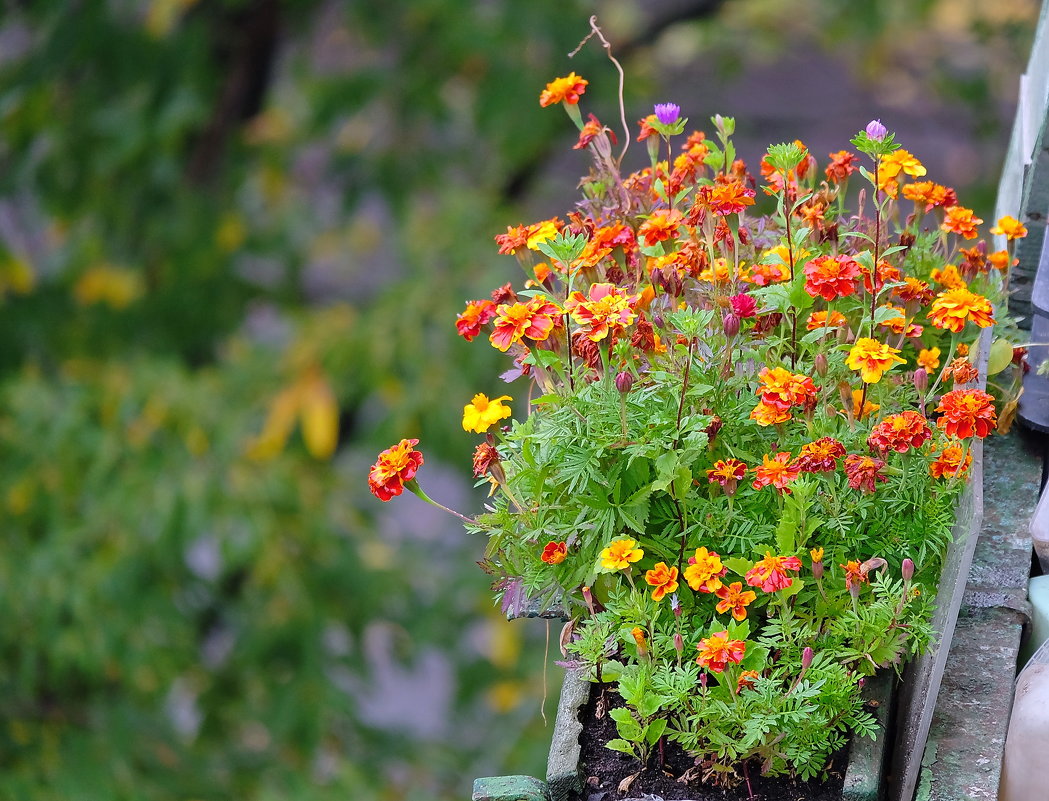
[{"x": 620, "y": 745}]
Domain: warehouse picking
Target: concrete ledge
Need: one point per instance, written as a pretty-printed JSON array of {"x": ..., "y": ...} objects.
[
  {"x": 863, "y": 778},
  {"x": 510, "y": 788},
  {"x": 562, "y": 766}
]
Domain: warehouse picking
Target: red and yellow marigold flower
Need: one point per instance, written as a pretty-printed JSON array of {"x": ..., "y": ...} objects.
[
  {"x": 727, "y": 473},
  {"x": 486, "y": 461},
  {"x": 999, "y": 260},
  {"x": 513, "y": 321},
  {"x": 1010, "y": 227},
  {"x": 868, "y": 409},
  {"x": 777, "y": 470},
  {"x": 899, "y": 324},
  {"x": 854, "y": 574},
  {"x": 731, "y": 197},
  {"x": 766, "y": 415},
  {"x": 952, "y": 308},
  {"x": 864, "y": 472},
  {"x": 967, "y": 413},
  {"x": 606, "y": 308},
  {"x": 825, "y": 319},
  {"x": 734, "y": 597},
  {"x": 661, "y": 225},
  {"x": 620, "y": 554},
  {"x": 962, "y": 221},
  {"x": 951, "y": 459},
  {"x": 567, "y": 90},
  {"x": 662, "y": 579},
  {"x": 480, "y": 413},
  {"x": 478, "y": 313},
  {"x": 717, "y": 651},
  {"x": 542, "y": 231},
  {"x": 554, "y": 553},
  {"x": 820, "y": 456},
  {"x": 394, "y": 468},
  {"x": 842, "y": 165},
  {"x": 872, "y": 358},
  {"x": 831, "y": 277},
  {"x": 914, "y": 290},
  {"x": 949, "y": 277},
  {"x": 929, "y": 359},
  {"x": 513, "y": 240},
  {"x": 900, "y": 432},
  {"x": 770, "y": 573},
  {"x": 783, "y": 389},
  {"x": 961, "y": 371},
  {"x": 930, "y": 195},
  {"x": 704, "y": 571}
]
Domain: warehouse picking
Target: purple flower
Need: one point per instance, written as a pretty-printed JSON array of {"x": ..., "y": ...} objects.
[
  {"x": 876, "y": 131},
  {"x": 668, "y": 113}
]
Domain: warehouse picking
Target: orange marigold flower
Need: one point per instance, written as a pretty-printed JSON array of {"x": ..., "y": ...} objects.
[
  {"x": 620, "y": 553},
  {"x": 477, "y": 314},
  {"x": 950, "y": 276},
  {"x": 746, "y": 680},
  {"x": 717, "y": 651},
  {"x": 394, "y": 468},
  {"x": 1010, "y": 227},
  {"x": 914, "y": 290},
  {"x": 781, "y": 388},
  {"x": 606, "y": 308},
  {"x": 890, "y": 167},
  {"x": 777, "y": 471},
  {"x": 868, "y": 407},
  {"x": 646, "y": 127},
  {"x": 770, "y": 573},
  {"x": 961, "y": 371},
  {"x": 513, "y": 240},
  {"x": 534, "y": 319},
  {"x": 887, "y": 273},
  {"x": 931, "y": 194},
  {"x": 900, "y": 432},
  {"x": 727, "y": 198},
  {"x": 872, "y": 358},
  {"x": 816, "y": 554},
  {"x": 480, "y": 413},
  {"x": 953, "y": 307},
  {"x": 929, "y": 359},
  {"x": 999, "y": 260},
  {"x": 831, "y": 277},
  {"x": 567, "y": 89},
  {"x": 820, "y": 456},
  {"x": 854, "y": 574},
  {"x": 963, "y": 349},
  {"x": 541, "y": 231},
  {"x": 899, "y": 324},
  {"x": 967, "y": 413},
  {"x": 663, "y": 579},
  {"x": 962, "y": 221},
  {"x": 734, "y": 597},
  {"x": 951, "y": 460},
  {"x": 704, "y": 571},
  {"x": 486, "y": 460},
  {"x": 825, "y": 319},
  {"x": 864, "y": 472},
  {"x": 591, "y": 130},
  {"x": 661, "y": 225},
  {"x": 767, "y": 415},
  {"x": 727, "y": 472},
  {"x": 842, "y": 165},
  {"x": 554, "y": 553}
]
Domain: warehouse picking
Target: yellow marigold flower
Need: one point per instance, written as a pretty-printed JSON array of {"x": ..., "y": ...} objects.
[
  {"x": 704, "y": 571},
  {"x": 948, "y": 277},
  {"x": 816, "y": 554},
  {"x": 542, "y": 231},
  {"x": 1010, "y": 228},
  {"x": 480, "y": 414},
  {"x": 892, "y": 165},
  {"x": 663, "y": 579},
  {"x": 868, "y": 407},
  {"x": 929, "y": 359},
  {"x": 962, "y": 221},
  {"x": 872, "y": 358},
  {"x": 620, "y": 553},
  {"x": 567, "y": 89},
  {"x": 953, "y": 307}
]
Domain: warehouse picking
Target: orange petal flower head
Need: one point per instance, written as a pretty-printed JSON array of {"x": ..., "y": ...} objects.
[
  {"x": 825, "y": 319},
  {"x": 1010, "y": 228},
  {"x": 930, "y": 194},
  {"x": 717, "y": 651},
  {"x": 831, "y": 277},
  {"x": 727, "y": 473},
  {"x": 967, "y": 413},
  {"x": 962, "y": 221},
  {"x": 567, "y": 90},
  {"x": 868, "y": 407},
  {"x": 734, "y": 597},
  {"x": 783, "y": 389},
  {"x": 661, "y": 225},
  {"x": 534, "y": 319},
  {"x": 872, "y": 358},
  {"x": 477, "y": 314},
  {"x": 620, "y": 553},
  {"x": 900, "y": 432},
  {"x": 766, "y": 415},
  {"x": 727, "y": 198},
  {"x": 480, "y": 413},
  {"x": 820, "y": 456},
  {"x": 778, "y": 471},
  {"x": 961, "y": 371},
  {"x": 952, "y": 308},
  {"x": 949, "y": 277},
  {"x": 842, "y": 165},
  {"x": 663, "y": 579},
  {"x": 606, "y": 308},
  {"x": 554, "y": 553},
  {"x": 854, "y": 575},
  {"x": 914, "y": 290},
  {"x": 394, "y": 468},
  {"x": 929, "y": 359},
  {"x": 951, "y": 460},
  {"x": 770, "y": 573},
  {"x": 864, "y": 472},
  {"x": 704, "y": 571}
]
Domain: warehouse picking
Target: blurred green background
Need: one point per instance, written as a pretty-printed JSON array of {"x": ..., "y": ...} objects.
[{"x": 234, "y": 235}]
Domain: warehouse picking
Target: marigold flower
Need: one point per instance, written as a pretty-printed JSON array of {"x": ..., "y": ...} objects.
[
  {"x": 704, "y": 571},
  {"x": 591, "y": 130},
  {"x": 727, "y": 198},
  {"x": 734, "y": 597},
  {"x": 820, "y": 456},
  {"x": 929, "y": 359},
  {"x": 900, "y": 325},
  {"x": 890, "y": 167},
  {"x": 873, "y": 359},
  {"x": 900, "y": 432},
  {"x": 868, "y": 409},
  {"x": 663, "y": 579},
  {"x": 661, "y": 225},
  {"x": 513, "y": 240},
  {"x": 999, "y": 260},
  {"x": 764, "y": 274},
  {"x": 746, "y": 680},
  {"x": 477, "y": 314},
  {"x": 770, "y": 573},
  {"x": 567, "y": 90},
  {"x": 886, "y": 273},
  {"x": 766, "y": 415},
  {"x": 781, "y": 388},
  {"x": 930, "y": 194},
  {"x": 816, "y": 554},
  {"x": 842, "y": 165},
  {"x": 962, "y": 221},
  {"x": 914, "y": 291},
  {"x": 961, "y": 371},
  {"x": 606, "y": 308},
  {"x": 638, "y": 634},
  {"x": 646, "y": 129},
  {"x": 480, "y": 413},
  {"x": 717, "y": 651},
  {"x": 620, "y": 553},
  {"x": 831, "y": 277},
  {"x": 534, "y": 319},
  {"x": 1010, "y": 227},
  {"x": 854, "y": 574},
  {"x": 962, "y": 349},
  {"x": 541, "y": 231},
  {"x": 953, "y": 307},
  {"x": 394, "y": 468},
  {"x": 777, "y": 471},
  {"x": 554, "y": 553},
  {"x": 825, "y": 319},
  {"x": 967, "y": 413},
  {"x": 949, "y": 461},
  {"x": 864, "y": 472},
  {"x": 949, "y": 277},
  {"x": 486, "y": 461},
  {"x": 727, "y": 472}
]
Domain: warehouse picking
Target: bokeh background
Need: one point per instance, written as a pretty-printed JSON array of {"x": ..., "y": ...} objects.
[{"x": 234, "y": 235}]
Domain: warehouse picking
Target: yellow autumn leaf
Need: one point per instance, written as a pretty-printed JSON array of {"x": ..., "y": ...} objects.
[
  {"x": 278, "y": 426},
  {"x": 320, "y": 416}
]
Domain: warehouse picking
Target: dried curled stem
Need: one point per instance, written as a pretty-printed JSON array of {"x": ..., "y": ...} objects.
[{"x": 596, "y": 31}]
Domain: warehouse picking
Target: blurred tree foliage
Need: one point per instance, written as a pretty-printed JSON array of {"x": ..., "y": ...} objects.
[{"x": 233, "y": 238}]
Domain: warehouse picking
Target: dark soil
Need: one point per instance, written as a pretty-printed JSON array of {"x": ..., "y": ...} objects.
[{"x": 604, "y": 769}]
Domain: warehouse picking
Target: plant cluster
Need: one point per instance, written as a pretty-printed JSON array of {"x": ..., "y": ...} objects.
[{"x": 745, "y": 433}]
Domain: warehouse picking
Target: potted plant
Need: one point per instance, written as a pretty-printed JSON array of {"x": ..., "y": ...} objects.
[{"x": 740, "y": 441}]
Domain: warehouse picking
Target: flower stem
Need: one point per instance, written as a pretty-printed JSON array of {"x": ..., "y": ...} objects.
[{"x": 418, "y": 492}]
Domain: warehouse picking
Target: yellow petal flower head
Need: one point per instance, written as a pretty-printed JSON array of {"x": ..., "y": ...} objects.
[
  {"x": 872, "y": 358},
  {"x": 1010, "y": 228},
  {"x": 480, "y": 414},
  {"x": 619, "y": 554}
]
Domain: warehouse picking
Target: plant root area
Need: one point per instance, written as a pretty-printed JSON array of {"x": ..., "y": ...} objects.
[{"x": 604, "y": 770}]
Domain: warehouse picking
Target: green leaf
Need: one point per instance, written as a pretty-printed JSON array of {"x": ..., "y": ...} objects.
[
  {"x": 1001, "y": 356},
  {"x": 620, "y": 745},
  {"x": 796, "y": 586},
  {"x": 737, "y": 565},
  {"x": 885, "y": 313},
  {"x": 655, "y": 730}
]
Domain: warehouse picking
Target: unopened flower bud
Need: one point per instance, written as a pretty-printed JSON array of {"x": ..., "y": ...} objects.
[
  {"x": 639, "y": 638},
  {"x": 921, "y": 380},
  {"x": 589, "y": 598},
  {"x": 659, "y": 322},
  {"x": 876, "y": 131},
  {"x": 854, "y": 590},
  {"x": 821, "y": 364},
  {"x": 667, "y": 113},
  {"x": 806, "y": 658},
  {"x": 907, "y": 569},
  {"x": 731, "y": 324},
  {"x": 679, "y": 643},
  {"x": 817, "y": 570},
  {"x": 703, "y": 680},
  {"x": 624, "y": 381}
]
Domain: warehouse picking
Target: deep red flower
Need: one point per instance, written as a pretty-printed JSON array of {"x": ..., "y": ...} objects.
[
  {"x": 864, "y": 472},
  {"x": 900, "y": 432},
  {"x": 967, "y": 413}
]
